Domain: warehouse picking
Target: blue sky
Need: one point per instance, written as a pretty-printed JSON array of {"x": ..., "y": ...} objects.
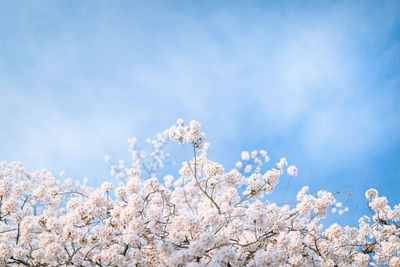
[{"x": 316, "y": 82}]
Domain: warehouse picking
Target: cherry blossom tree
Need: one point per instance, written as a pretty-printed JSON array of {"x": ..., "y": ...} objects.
[{"x": 202, "y": 215}]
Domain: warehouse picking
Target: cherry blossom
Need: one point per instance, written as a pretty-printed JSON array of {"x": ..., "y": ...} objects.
[{"x": 205, "y": 214}]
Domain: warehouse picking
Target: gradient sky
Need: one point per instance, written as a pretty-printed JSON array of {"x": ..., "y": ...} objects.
[{"x": 316, "y": 82}]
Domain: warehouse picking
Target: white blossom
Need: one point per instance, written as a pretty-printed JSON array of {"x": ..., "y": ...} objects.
[
  {"x": 202, "y": 214},
  {"x": 107, "y": 187},
  {"x": 292, "y": 170},
  {"x": 371, "y": 194}
]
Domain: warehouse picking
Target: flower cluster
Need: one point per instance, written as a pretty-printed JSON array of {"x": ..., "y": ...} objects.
[{"x": 204, "y": 215}]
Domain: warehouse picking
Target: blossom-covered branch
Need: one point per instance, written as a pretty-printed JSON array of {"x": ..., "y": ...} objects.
[{"x": 203, "y": 215}]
